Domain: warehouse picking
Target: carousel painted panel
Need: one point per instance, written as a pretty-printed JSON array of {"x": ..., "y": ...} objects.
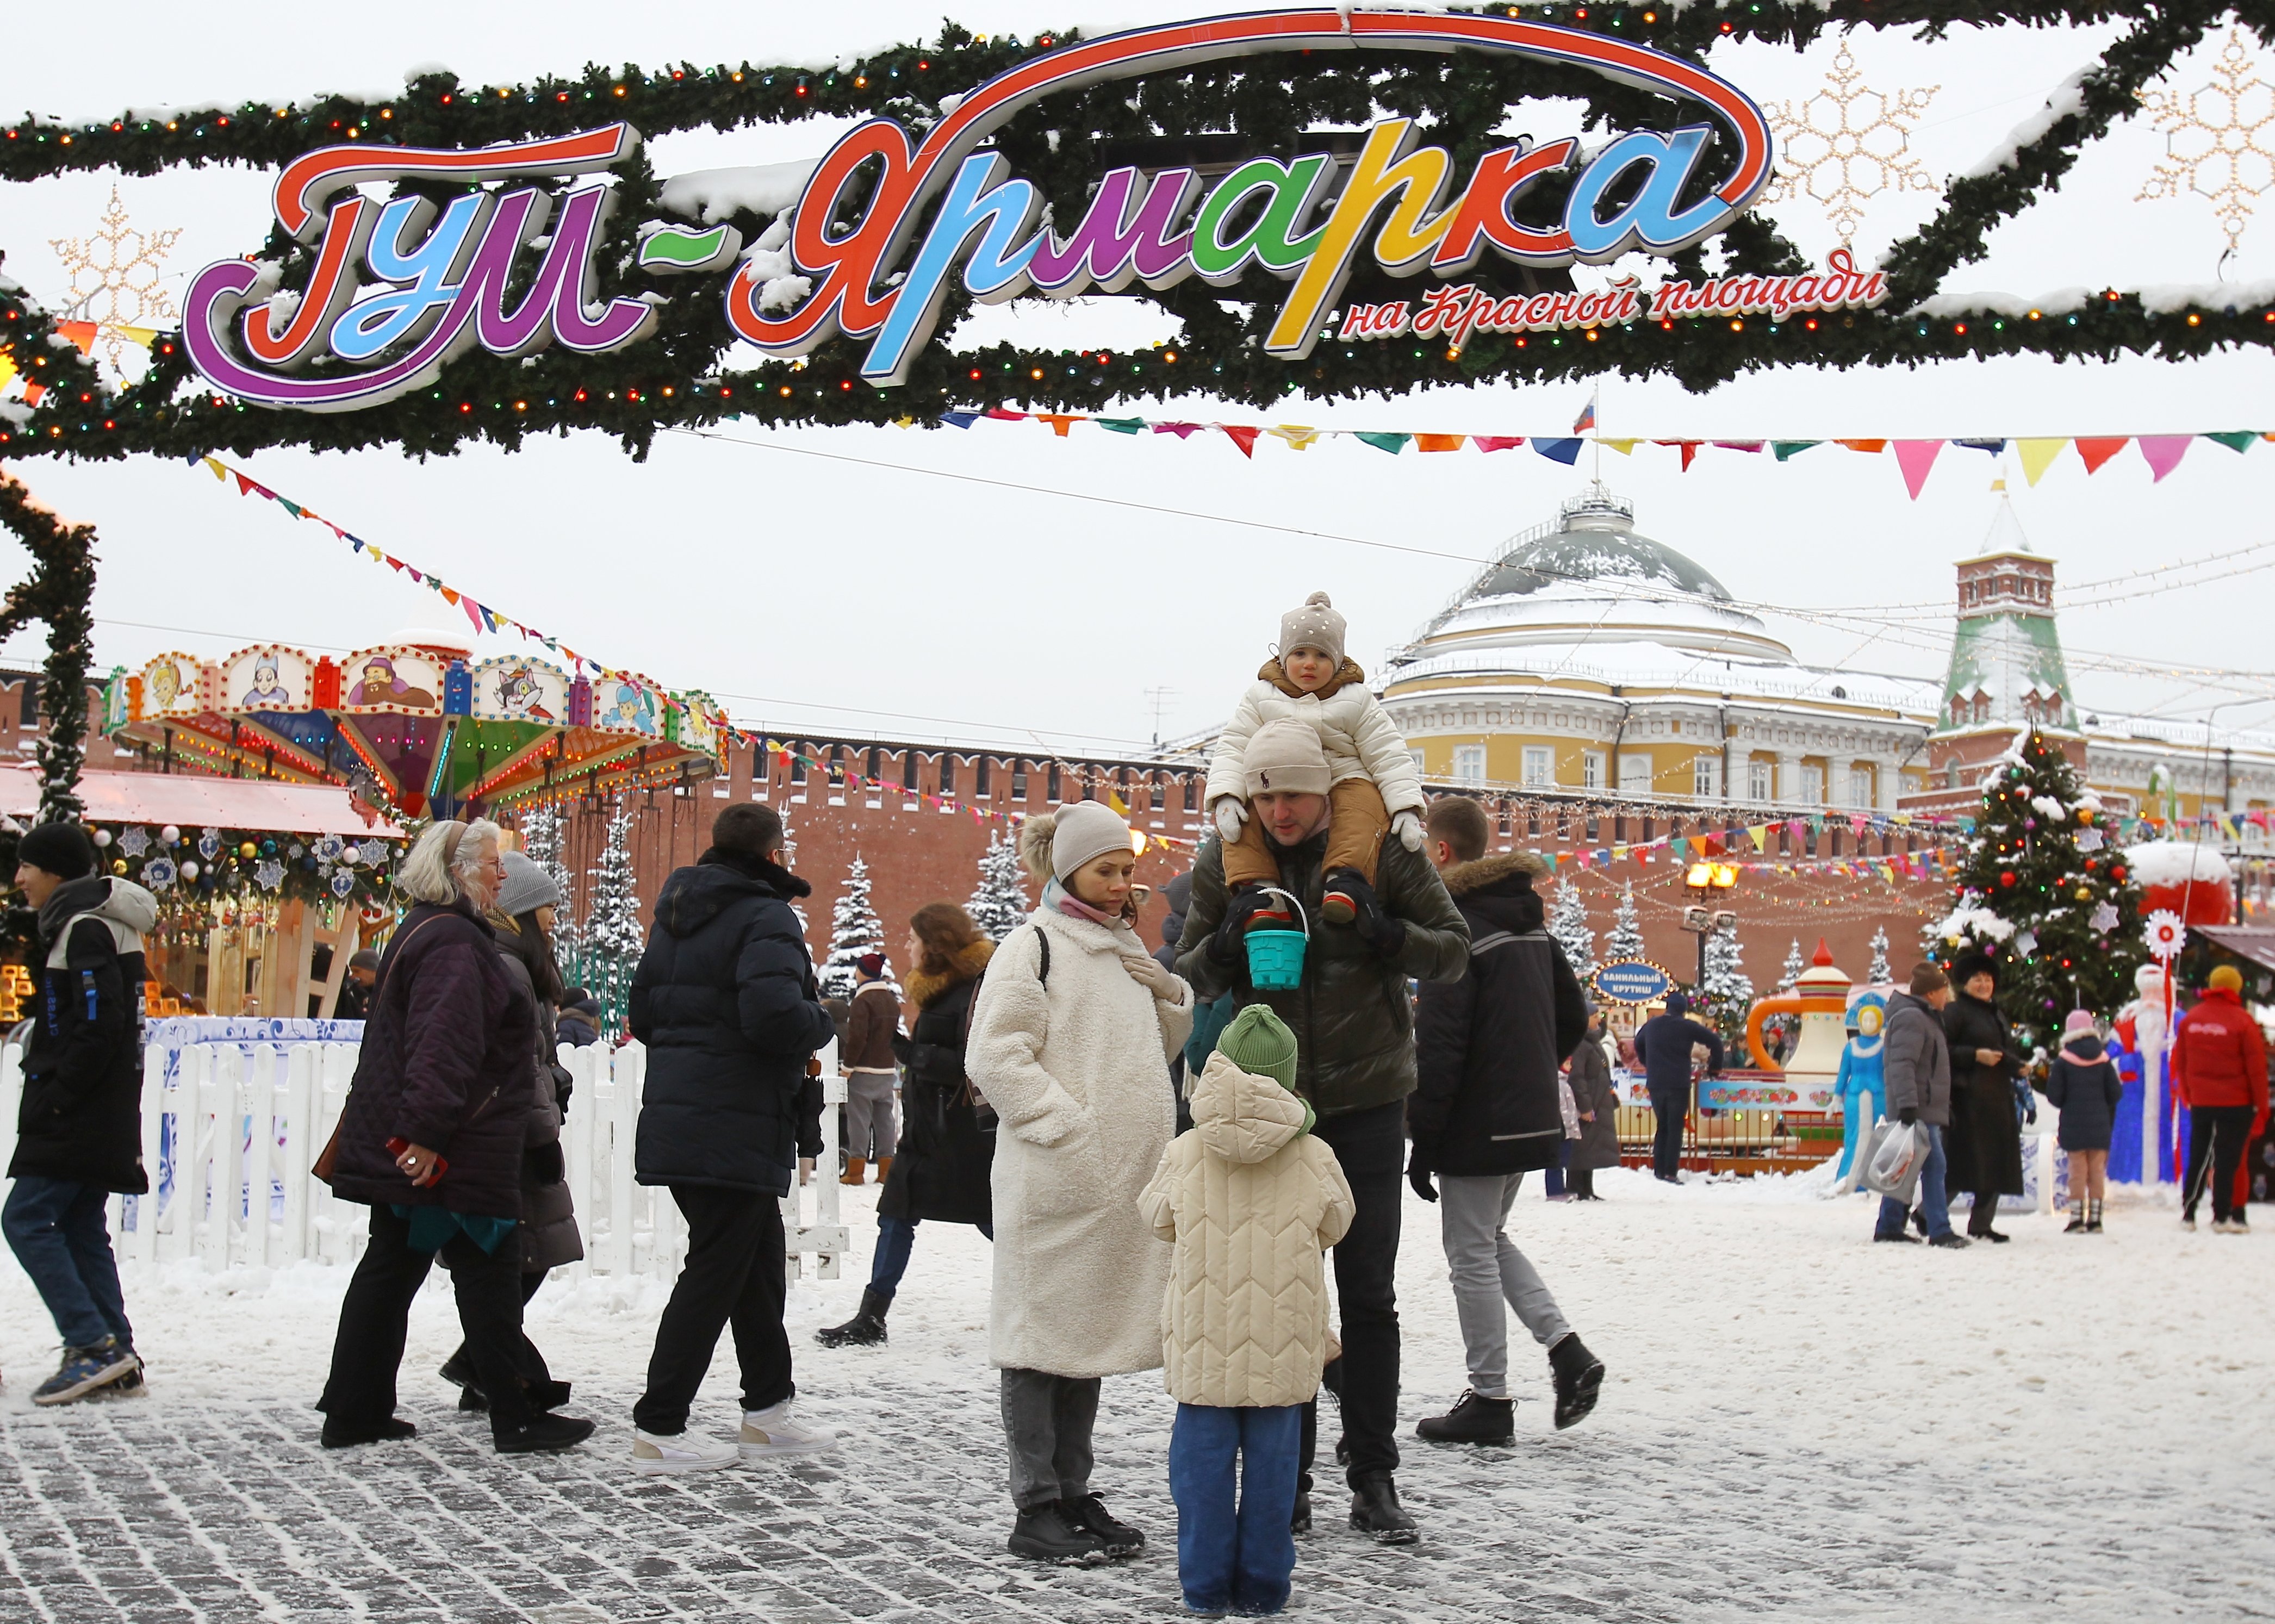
[
  {"x": 399, "y": 679},
  {"x": 515, "y": 689},
  {"x": 268, "y": 678}
]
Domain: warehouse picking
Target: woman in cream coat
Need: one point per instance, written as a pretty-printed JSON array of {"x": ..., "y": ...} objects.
[{"x": 1071, "y": 1036}]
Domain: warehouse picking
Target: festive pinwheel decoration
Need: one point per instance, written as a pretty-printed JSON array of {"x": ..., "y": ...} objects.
[{"x": 2164, "y": 933}]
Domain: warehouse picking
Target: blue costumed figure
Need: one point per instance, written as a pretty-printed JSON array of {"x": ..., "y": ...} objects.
[{"x": 1863, "y": 1096}]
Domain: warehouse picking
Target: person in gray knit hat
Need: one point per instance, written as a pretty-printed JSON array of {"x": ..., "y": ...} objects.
[{"x": 1371, "y": 781}]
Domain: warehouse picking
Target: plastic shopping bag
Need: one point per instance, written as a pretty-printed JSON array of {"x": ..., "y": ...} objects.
[{"x": 1892, "y": 1158}]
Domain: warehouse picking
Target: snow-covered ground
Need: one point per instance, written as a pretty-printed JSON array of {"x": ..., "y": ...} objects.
[{"x": 1797, "y": 1424}]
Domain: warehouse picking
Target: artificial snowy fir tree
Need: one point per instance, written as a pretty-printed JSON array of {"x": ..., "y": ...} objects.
[
  {"x": 2041, "y": 891},
  {"x": 1568, "y": 922},
  {"x": 999, "y": 906},
  {"x": 1789, "y": 972},
  {"x": 612, "y": 921},
  {"x": 1879, "y": 973},
  {"x": 854, "y": 931},
  {"x": 540, "y": 843},
  {"x": 1727, "y": 992},
  {"x": 1626, "y": 939}
]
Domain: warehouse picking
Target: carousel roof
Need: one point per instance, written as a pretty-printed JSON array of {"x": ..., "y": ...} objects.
[{"x": 193, "y": 801}]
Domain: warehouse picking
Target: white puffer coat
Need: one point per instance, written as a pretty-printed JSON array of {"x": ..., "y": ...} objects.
[
  {"x": 1079, "y": 1071},
  {"x": 1356, "y": 732},
  {"x": 1250, "y": 1200}
]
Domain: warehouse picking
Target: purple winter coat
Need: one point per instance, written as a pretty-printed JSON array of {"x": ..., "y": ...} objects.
[{"x": 445, "y": 1064}]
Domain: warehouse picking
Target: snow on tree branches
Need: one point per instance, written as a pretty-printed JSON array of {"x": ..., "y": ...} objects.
[
  {"x": 999, "y": 906},
  {"x": 1626, "y": 939},
  {"x": 1568, "y": 922},
  {"x": 855, "y": 931},
  {"x": 612, "y": 919}
]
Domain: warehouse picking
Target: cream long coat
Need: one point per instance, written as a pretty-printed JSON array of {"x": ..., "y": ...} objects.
[
  {"x": 1250, "y": 1199},
  {"x": 1355, "y": 733},
  {"x": 1078, "y": 1072}
]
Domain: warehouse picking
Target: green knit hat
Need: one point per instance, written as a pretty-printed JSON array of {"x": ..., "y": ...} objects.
[{"x": 1258, "y": 1041}]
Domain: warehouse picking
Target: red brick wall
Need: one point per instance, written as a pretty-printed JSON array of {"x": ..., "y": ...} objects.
[{"x": 925, "y": 855}]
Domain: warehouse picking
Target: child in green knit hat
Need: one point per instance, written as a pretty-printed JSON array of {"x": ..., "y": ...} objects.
[{"x": 1250, "y": 1200}]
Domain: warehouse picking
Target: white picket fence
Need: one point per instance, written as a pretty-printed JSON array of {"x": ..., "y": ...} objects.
[{"x": 229, "y": 1131}]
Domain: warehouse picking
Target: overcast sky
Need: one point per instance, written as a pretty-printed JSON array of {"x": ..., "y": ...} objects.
[{"x": 805, "y": 589}]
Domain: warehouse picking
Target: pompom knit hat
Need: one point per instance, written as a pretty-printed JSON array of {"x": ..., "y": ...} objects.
[
  {"x": 1315, "y": 624},
  {"x": 1085, "y": 830},
  {"x": 1258, "y": 1041}
]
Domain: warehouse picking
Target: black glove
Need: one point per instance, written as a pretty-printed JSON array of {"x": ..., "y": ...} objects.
[
  {"x": 1230, "y": 941},
  {"x": 1418, "y": 1176},
  {"x": 1908, "y": 1117},
  {"x": 1378, "y": 930}
]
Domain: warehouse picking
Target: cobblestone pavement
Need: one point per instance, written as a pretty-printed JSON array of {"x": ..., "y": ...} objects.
[{"x": 1834, "y": 1436}]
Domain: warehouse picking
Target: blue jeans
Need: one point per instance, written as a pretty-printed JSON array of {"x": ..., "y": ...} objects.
[
  {"x": 1240, "y": 1560},
  {"x": 896, "y": 1238},
  {"x": 1934, "y": 1199},
  {"x": 57, "y": 1231}
]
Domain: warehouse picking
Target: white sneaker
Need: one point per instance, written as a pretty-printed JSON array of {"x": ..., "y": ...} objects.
[
  {"x": 2230, "y": 1226},
  {"x": 683, "y": 1452},
  {"x": 775, "y": 1430}
]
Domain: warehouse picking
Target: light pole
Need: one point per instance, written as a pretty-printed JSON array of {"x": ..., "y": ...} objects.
[{"x": 1703, "y": 879}]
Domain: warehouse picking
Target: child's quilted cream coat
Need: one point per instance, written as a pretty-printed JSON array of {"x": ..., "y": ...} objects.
[{"x": 1250, "y": 1199}]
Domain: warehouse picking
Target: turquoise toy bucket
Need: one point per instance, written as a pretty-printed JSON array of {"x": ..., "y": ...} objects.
[{"x": 1275, "y": 958}]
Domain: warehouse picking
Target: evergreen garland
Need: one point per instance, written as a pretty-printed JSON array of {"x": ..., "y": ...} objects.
[
  {"x": 676, "y": 378},
  {"x": 60, "y": 592},
  {"x": 2038, "y": 871}
]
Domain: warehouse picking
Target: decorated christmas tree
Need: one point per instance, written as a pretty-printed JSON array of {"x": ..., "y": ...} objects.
[
  {"x": 1626, "y": 939},
  {"x": 1789, "y": 972},
  {"x": 1879, "y": 971},
  {"x": 1568, "y": 922},
  {"x": 1727, "y": 992},
  {"x": 612, "y": 927},
  {"x": 2041, "y": 890},
  {"x": 999, "y": 906},
  {"x": 855, "y": 931}
]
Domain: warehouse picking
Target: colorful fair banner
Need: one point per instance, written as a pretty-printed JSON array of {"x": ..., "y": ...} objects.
[{"x": 469, "y": 252}]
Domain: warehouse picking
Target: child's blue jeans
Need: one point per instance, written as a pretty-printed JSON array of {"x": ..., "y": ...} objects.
[{"x": 1235, "y": 1561}]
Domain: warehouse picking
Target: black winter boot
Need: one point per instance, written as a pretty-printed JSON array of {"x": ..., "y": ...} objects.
[
  {"x": 1474, "y": 1419},
  {"x": 1579, "y": 1380},
  {"x": 1120, "y": 1539},
  {"x": 1051, "y": 1533},
  {"x": 1375, "y": 1511},
  {"x": 1299, "y": 1518},
  {"x": 866, "y": 1329}
]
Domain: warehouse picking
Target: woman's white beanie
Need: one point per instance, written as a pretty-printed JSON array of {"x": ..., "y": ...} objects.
[{"x": 1083, "y": 831}]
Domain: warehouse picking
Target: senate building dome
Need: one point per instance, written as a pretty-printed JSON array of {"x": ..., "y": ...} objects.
[{"x": 1591, "y": 657}]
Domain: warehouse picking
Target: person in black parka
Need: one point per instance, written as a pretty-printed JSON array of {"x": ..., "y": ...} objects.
[
  {"x": 79, "y": 1134},
  {"x": 431, "y": 1140},
  {"x": 1486, "y": 1112},
  {"x": 945, "y": 1169},
  {"x": 2083, "y": 1086},
  {"x": 1986, "y": 1141},
  {"x": 1663, "y": 1043},
  {"x": 725, "y": 999}
]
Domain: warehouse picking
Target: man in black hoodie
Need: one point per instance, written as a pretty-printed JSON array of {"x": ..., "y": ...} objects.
[
  {"x": 79, "y": 1133},
  {"x": 1485, "y": 1112},
  {"x": 724, "y": 1000},
  {"x": 1663, "y": 1043}
]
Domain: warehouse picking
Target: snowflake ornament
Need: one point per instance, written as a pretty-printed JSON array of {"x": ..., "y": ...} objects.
[
  {"x": 2088, "y": 839},
  {"x": 373, "y": 852},
  {"x": 270, "y": 873},
  {"x": 134, "y": 843},
  {"x": 2105, "y": 917},
  {"x": 2026, "y": 941},
  {"x": 1846, "y": 145},
  {"x": 158, "y": 874},
  {"x": 328, "y": 849},
  {"x": 2219, "y": 139},
  {"x": 114, "y": 280},
  {"x": 2164, "y": 934}
]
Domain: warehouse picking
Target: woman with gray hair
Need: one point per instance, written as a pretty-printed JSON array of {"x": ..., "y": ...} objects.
[{"x": 431, "y": 1140}]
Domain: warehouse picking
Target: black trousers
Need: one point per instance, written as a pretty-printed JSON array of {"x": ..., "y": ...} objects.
[
  {"x": 2216, "y": 1134},
  {"x": 734, "y": 1275},
  {"x": 1372, "y": 1146},
  {"x": 1582, "y": 1182},
  {"x": 1669, "y": 1108},
  {"x": 375, "y": 1318}
]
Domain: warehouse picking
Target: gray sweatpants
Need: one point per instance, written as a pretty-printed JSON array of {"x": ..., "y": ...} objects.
[
  {"x": 1047, "y": 1421},
  {"x": 872, "y": 1123},
  {"x": 1487, "y": 1272}
]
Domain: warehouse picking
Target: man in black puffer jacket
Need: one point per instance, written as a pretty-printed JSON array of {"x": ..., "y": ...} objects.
[
  {"x": 724, "y": 1000},
  {"x": 1487, "y": 1113}
]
